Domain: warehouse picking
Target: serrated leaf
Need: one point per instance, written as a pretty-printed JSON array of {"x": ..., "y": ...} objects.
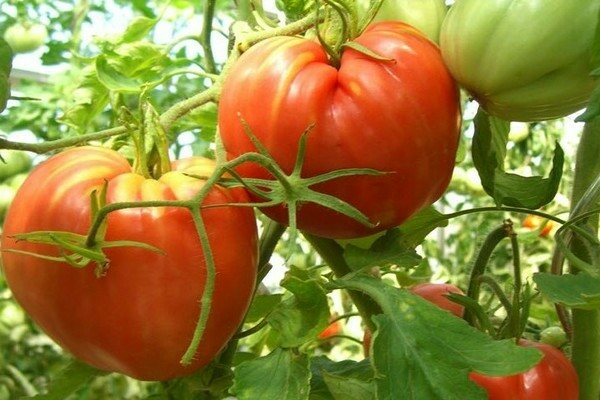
[
  {"x": 389, "y": 249},
  {"x": 489, "y": 151},
  {"x": 303, "y": 315},
  {"x": 576, "y": 291},
  {"x": 69, "y": 380},
  {"x": 417, "y": 342},
  {"x": 89, "y": 99},
  {"x": 281, "y": 375},
  {"x": 328, "y": 378},
  {"x": 138, "y": 29},
  {"x": 112, "y": 79}
]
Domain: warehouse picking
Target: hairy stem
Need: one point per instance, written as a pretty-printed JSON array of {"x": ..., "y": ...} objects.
[
  {"x": 586, "y": 323},
  {"x": 333, "y": 254},
  {"x": 480, "y": 264}
]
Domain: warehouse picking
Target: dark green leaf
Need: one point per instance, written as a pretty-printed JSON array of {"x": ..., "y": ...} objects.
[
  {"x": 344, "y": 380},
  {"x": 575, "y": 291},
  {"x": 389, "y": 249},
  {"x": 489, "y": 151},
  {"x": 261, "y": 306},
  {"x": 69, "y": 379},
  {"x": 6, "y": 57},
  {"x": 303, "y": 315},
  {"x": 417, "y": 342},
  {"x": 281, "y": 375}
]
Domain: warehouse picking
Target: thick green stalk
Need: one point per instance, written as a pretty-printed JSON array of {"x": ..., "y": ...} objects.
[
  {"x": 333, "y": 254},
  {"x": 586, "y": 323}
]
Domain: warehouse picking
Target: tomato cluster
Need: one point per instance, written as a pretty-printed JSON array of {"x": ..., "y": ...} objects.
[{"x": 376, "y": 131}]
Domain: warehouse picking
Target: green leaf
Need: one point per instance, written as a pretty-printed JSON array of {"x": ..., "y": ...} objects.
[
  {"x": 303, "y": 315},
  {"x": 138, "y": 29},
  {"x": 261, "y": 306},
  {"x": 389, "y": 249},
  {"x": 281, "y": 375},
  {"x": 69, "y": 380},
  {"x": 418, "y": 342},
  {"x": 343, "y": 380},
  {"x": 6, "y": 57},
  {"x": 575, "y": 291},
  {"x": 112, "y": 79},
  {"x": 89, "y": 99},
  {"x": 489, "y": 151},
  {"x": 422, "y": 224}
]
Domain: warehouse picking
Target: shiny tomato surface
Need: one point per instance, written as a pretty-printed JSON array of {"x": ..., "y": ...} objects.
[
  {"x": 553, "y": 378},
  {"x": 397, "y": 113},
  {"x": 139, "y": 316}
]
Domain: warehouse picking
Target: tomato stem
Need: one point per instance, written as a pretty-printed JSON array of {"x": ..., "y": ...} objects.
[
  {"x": 480, "y": 265},
  {"x": 333, "y": 254},
  {"x": 586, "y": 323},
  {"x": 205, "y": 36}
]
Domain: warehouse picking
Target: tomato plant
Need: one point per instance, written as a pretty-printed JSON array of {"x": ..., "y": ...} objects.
[
  {"x": 553, "y": 378},
  {"x": 436, "y": 293},
  {"x": 542, "y": 75},
  {"x": 138, "y": 316},
  {"x": 326, "y": 122},
  {"x": 368, "y": 113},
  {"x": 26, "y": 37}
]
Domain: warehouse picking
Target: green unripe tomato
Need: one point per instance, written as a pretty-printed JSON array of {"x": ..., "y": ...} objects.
[
  {"x": 425, "y": 15},
  {"x": 522, "y": 60},
  {"x": 14, "y": 163},
  {"x": 25, "y": 38},
  {"x": 554, "y": 336}
]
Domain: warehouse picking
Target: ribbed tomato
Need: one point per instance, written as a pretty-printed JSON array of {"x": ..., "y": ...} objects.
[
  {"x": 523, "y": 60},
  {"x": 139, "y": 317},
  {"x": 397, "y": 113}
]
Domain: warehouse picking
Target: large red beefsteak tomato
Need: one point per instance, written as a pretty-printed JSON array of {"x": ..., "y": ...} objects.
[
  {"x": 138, "y": 319},
  {"x": 397, "y": 113}
]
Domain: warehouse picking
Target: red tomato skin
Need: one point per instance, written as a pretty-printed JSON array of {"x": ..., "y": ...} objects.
[
  {"x": 139, "y": 318},
  {"x": 335, "y": 328},
  {"x": 436, "y": 294},
  {"x": 400, "y": 116},
  {"x": 553, "y": 378}
]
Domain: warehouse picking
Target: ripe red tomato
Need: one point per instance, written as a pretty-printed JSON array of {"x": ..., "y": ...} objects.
[
  {"x": 553, "y": 378},
  {"x": 436, "y": 293},
  {"x": 399, "y": 115},
  {"x": 335, "y": 328},
  {"x": 534, "y": 222},
  {"x": 139, "y": 318}
]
